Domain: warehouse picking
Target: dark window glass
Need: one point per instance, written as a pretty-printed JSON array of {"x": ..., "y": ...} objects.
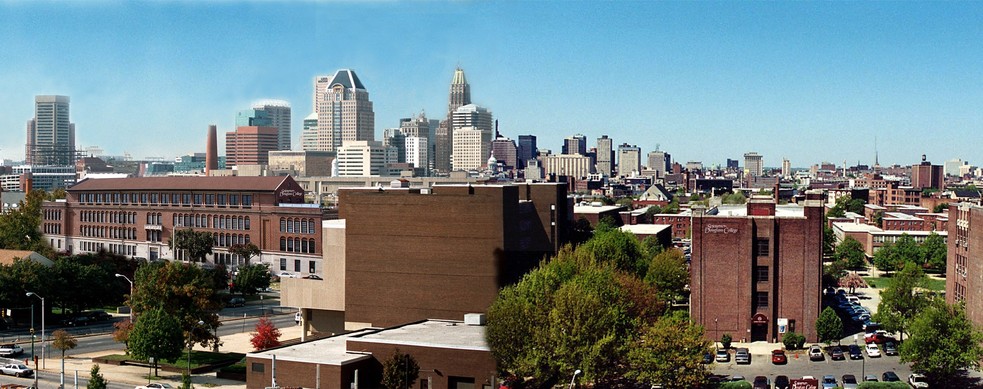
[{"x": 761, "y": 273}]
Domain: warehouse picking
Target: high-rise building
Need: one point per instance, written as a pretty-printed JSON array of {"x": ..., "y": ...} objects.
[
  {"x": 964, "y": 264},
  {"x": 952, "y": 167},
  {"x": 472, "y": 115},
  {"x": 572, "y": 165},
  {"x": 926, "y": 175},
  {"x": 605, "y": 162},
  {"x": 278, "y": 112},
  {"x": 51, "y": 134},
  {"x": 576, "y": 144},
  {"x": 460, "y": 95},
  {"x": 526, "y": 150},
  {"x": 660, "y": 162},
  {"x": 253, "y": 117},
  {"x": 344, "y": 111},
  {"x": 395, "y": 138},
  {"x": 505, "y": 152},
  {"x": 250, "y": 145},
  {"x": 308, "y": 136},
  {"x": 786, "y": 168},
  {"x": 753, "y": 164},
  {"x": 472, "y": 147},
  {"x": 733, "y": 164},
  {"x": 417, "y": 152},
  {"x": 629, "y": 159},
  {"x": 364, "y": 159}
]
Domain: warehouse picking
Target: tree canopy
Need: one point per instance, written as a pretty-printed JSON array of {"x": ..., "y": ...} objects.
[
  {"x": 251, "y": 278},
  {"x": 619, "y": 248},
  {"x": 899, "y": 303},
  {"x": 829, "y": 326},
  {"x": 943, "y": 341},
  {"x": 668, "y": 273},
  {"x": 156, "y": 335},
  {"x": 399, "y": 371},
  {"x": 184, "y": 291},
  {"x": 197, "y": 244},
  {"x": 934, "y": 252},
  {"x": 852, "y": 251},
  {"x": 246, "y": 251}
]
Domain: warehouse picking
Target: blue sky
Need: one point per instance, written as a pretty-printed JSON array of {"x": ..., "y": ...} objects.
[{"x": 706, "y": 81}]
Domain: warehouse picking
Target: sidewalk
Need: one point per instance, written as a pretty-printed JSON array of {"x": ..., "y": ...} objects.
[{"x": 136, "y": 375}]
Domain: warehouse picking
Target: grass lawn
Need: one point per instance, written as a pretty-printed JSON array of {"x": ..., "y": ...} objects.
[
  {"x": 198, "y": 358},
  {"x": 883, "y": 282}
]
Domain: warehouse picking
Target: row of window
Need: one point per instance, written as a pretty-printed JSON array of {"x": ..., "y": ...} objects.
[
  {"x": 311, "y": 265},
  {"x": 52, "y": 214},
  {"x": 115, "y": 248},
  {"x": 297, "y": 245},
  {"x": 51, "y": 228},
  {"x": 297, "y": 225},
  {"x": 154, "y": 218},
  {"x": 227, "y": 240},
  {"x": 115, "y": 217},
  {"x": 154, "y": 198},
  {"x": 226, "y": 222},
  {"x": 108, "y": 232}
]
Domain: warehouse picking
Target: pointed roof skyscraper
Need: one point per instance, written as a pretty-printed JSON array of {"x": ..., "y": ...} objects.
[{"x": 460, "y": 91}]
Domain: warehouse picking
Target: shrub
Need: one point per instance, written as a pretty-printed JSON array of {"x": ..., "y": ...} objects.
[{"x": 726, "y": 340}]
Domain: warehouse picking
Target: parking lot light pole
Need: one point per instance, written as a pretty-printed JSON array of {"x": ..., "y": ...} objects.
[
  {"x": 42, "y": 325},
  {"x": 716, "y": 335},
  {"x": 131, "y": 293}
]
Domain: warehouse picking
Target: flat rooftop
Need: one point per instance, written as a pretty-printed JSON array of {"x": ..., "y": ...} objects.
[
  {"x": 899, "y": 215},
  {"x": 591, "y": 209},
  {"x": 645, "y": 229},
  {"x": 781, "y": 210},
  {"x": 450, "y": 334},
  {"x": 327, "y": 351},
  {"x": 856, "y": 227}
]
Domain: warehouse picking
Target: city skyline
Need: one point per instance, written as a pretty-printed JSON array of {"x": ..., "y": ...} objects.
[{"x": 705, "y": 81}]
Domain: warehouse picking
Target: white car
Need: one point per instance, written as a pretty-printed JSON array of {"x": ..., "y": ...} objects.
[
  {"x": 917, "y": 381},
  {"x": 872, "y": 350},
  {"x": 16, "y": 369},
  {"x": 10, "y": 350},
  {"x": 285, "y": 274},
  {"x": 154, "y": 386}
]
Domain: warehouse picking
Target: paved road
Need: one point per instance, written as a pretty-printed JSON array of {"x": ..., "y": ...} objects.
[{"x": 48, "y": 380}]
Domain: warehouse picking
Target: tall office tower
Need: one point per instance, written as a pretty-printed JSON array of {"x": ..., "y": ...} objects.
[
  {"x": 308, "y": 136},
  {"x": 576, "y": 144},
  {"x": 605, "y": 164},
  {"x": 629, "y": 159},
  {"x": 526, "y": 151},
  {"x": 417, "y": 152},
  {"x": 732, "y": 163},
  {"x": 505, "y": 152},
  {"x": 344, "y": 111},
  {"x": 926, "y": 175},
  {"x": 786, "y": 168},
  {"x": 249, "y": 145},
  {"x": 472, "y": 115},
  {"x": 51, "y": 134},
  {"x": 471, "y": 149},
  {"x": 211, "y": 150},
  {"x": 659, "y": 161},
  {"x": 753, "y": 164},
  {"x": 395, "y": 138},
  {"x": 364, "y": 159},
  {"x": 460, "y": 95},
  {"x": 278, "y": 112},
  {"x": 418, "y": 126},
  {"x": 253, "y": 117}
]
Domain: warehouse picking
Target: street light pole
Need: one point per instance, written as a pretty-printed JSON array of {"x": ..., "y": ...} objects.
[
  {"x": 572, "y": 379},
  {"x": 42, "y": 325},
  {"x": 190, "y": 345},
  {"x": 131, "y": 294},
  {"x": 716, "y": 334}
]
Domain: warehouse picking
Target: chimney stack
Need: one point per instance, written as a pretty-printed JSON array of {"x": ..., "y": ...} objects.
[{"x": 211, "y": 151}]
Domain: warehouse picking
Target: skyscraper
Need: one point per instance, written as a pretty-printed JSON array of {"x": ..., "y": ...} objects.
[
  {"x": 460, "y": 95},
  {"x": 51, "y": 134},
  {"x": 604, "y": 154},
  {"x": 660, "y": 161},
  {"x": 344, "y": 111},
  {"x": 576, "y": 144},
  {"x": 278, "y": 112},
  {"x": 753, "y": 164},
  {"x": 505, "y": 151},
  {"x": 629, "y": 159},
  {"x": 526, "y": 151},
  {"x": 308, "y": 136},
  {"x": 471, "y": 149},
  {"x": 250, "y": 145}
]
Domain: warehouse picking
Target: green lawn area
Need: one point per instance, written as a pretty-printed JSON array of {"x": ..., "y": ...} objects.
[
  {"x": 884, "y": 282},
  {"x": 198, "y": 358}
]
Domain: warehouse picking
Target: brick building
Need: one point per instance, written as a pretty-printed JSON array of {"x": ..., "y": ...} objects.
[
  {"x": 136, "y": 217},
  {"x": 756, "y": 274},
  {"x": 963, "y": 264}
]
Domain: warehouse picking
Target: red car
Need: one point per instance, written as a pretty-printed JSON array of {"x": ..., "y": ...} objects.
[
  {"x": 778, "y": 357},
  {"x": 878, "y": 337}
]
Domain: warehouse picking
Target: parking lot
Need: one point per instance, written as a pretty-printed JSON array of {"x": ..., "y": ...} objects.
[{"x": 799, "y": 365}]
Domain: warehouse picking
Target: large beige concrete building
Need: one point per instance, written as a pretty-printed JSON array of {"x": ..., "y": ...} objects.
[
  {"x": 472, "y": 146},
  {"x": 344, "y": 112}
]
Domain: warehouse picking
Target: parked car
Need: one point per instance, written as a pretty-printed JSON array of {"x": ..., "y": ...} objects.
[
  {"x": 890, "y": 376},
  {"x": 778, "y": 357},
  {"x": 707, "y": 358},
  {"x": 870, "y": 378},
  {"x": 10, "y": 350},
  {"x": 313, "y": 277},
  {"x": 816, "y": 353},
  {"x": 849, "y": 381},
  {"x": 761, "y": 382},
  {"x": 890, "y": 348},
  {"x": 873, "y": 351},
  {"x": 236, "y": 302},
  {"x": 878, "y": 338},
  {"x": 855, "y": 352},
  {"x": 76, "y": 321},
  {"x": 99, "y": 316},
  {"x": 154, "y": 386},
  {"x": 782, "y": 382},
  {"x": 286, "y": 274},
  {"x": 723, "y": 355},
  {"x": 917, "y": 381},
  {"x": 829, "y": 382},
  {"x": 16, "y": 369},
  {"x": 836, "y": 353},
  {"x": 742, "y": 356}
]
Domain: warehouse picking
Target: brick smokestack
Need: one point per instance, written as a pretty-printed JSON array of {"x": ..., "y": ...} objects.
[{"x": 211, "y": 152}]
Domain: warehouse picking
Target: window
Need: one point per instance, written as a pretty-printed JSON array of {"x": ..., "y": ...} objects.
[
  {"x": 209, "y": 199},
  {"x": 297, "y": 265},
  {"x": 258, "y": 367},
  {"x": 283, "y": 264},
  {"x": 221, "y": 199},
  {"x": 233, "y": 199},
  {"x": 761, "y": 273},
  {"x": 247, "y": 200},
  {"x": 311, "y": 267},
  {"x": 761, "y": 298},
  {"x": 761, "y": 247},
  {"x": 197, "y": 199}
]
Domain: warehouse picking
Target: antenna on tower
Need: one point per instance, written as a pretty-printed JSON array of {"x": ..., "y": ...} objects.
[
  {"x": 876, "y": 162},
  {"x": 657, "y": 147}
]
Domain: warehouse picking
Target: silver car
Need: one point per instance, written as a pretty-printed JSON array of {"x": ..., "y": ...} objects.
[
  {"x": 16, "y": 369},
  {"x": 742, "y": 356}
]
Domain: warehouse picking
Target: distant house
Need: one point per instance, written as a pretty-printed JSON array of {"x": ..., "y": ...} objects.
[{"x": 7, "y": 257}]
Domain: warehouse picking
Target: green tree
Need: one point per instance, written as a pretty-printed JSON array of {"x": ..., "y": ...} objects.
[
  {"x": 940, "y": 208},
  {"x": 652, "y": 246},
  {"x": 668, "y": 273},
  {"x": 726, "y": 340},
  {"x": 185, "y": 291},
  {"x": 852, "y": 252},
  {"x": 934, "y": 252},
  {"x": 81, "y": 286},
  {"x": 879, "y": 219},
  {"x": 670, "y": 352},
  {"x": 829, "y": 240},
  {"x": 186, "y": 381},
  {"x": 399, "y": 371},
  {"x": 96, "y": 380},
  {"x": 197, "y": 244},
  {"x": 943, "y": 341},
  {"x": 899, "y": 303},
  {"x": 734, "y": 198},
  {"x": 158, "y": 335},
  {"x": 793, "y": 340},
  {"x": 829, "y": 326},
  {"x": 834, "y": 271},
  {"x": 246, "y": 251},
  {"x": 20, "y": 228},
  {"x": 619, "y": 248},
  {"x": 251, "y": 278},
  {"x": 581, "y": 231}
]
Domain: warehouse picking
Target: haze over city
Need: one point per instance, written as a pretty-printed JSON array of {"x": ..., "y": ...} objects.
[{"x": 704, "y": 81}]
